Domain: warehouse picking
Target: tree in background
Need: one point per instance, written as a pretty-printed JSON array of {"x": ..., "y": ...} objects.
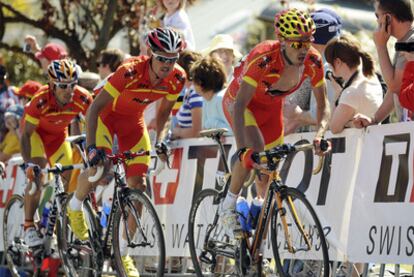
[{"x": 85, "y": 26}]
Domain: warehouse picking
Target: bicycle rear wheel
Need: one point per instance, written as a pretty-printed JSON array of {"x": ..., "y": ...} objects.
[
  {"x": 146, "y": 245},
  {"x": 18, "y": 254},
  {"x": 80, "y": 258},
  {"x": 302, "y": 259},
  {"x": 206, "y": 238}
]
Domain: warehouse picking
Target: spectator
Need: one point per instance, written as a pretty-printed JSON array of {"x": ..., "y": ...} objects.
[
  {"x": 108, "y": 61},
  {"x": 300, "y": 107},
  {"x": 27, "y": 91},
  {"x": 51, "y": 51},
  {"x": 176, "y": 17},
  {"x": 89, "y": 80},
  {"x": 406, "y": 96},
  {"x": 209, "y": 77},
  {"x": 7, "y": 93},
  {"x": 222, "y": 47},
  {"x": 11, "y": 142},
  {"x": 362, "y": 91},
  {"x": 189, "y": 115},
  {"x": 395, "y": 18}
]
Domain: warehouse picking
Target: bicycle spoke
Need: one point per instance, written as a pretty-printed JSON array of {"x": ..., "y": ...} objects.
[
  {"x": 307, "y": 253},
  {"x": 209, "y": 246},
  {"x": 140, "y": 231}
]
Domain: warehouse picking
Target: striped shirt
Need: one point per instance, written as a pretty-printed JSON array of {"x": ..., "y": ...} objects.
[{"x": 191, "y": 100}]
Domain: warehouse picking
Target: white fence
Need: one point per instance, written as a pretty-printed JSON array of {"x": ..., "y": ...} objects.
[{"x": 364, "y": 195}]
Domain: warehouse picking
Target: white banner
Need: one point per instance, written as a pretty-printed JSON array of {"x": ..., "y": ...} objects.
[
  {"x": 382, "y": 226},
  {"x": 363, "y": 195}
]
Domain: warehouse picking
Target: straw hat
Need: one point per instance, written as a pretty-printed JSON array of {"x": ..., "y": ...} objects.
[{"x": 222, "y": 41}]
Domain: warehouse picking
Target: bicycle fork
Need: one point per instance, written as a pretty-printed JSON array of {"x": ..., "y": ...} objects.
[{"x": 280, "y": 195}]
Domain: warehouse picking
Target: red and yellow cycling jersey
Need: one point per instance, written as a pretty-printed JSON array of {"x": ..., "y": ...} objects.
[
  {"x": 262, "y": 68},
  {"x": 44, "y": 112},
  {"x": 131, "y": 88}
]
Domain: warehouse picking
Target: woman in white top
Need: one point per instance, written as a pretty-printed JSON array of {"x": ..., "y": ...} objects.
[
  {"x": 176, "y": 17},
  {"x": 361, "y": 92}
]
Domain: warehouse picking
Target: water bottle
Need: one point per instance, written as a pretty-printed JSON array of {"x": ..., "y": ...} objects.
[
  {"x": 255, "y": 209},
  {"x": 106, "y": 210},
  {"x": 243, "y": 209},
  {"x": 45, "y": 215}
]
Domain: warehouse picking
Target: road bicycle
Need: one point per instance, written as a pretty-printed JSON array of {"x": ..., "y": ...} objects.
[
  {"x": 132, "y": 215},
  {"x": 19, "y": 256},
  {"x": 297, "y": 237}
]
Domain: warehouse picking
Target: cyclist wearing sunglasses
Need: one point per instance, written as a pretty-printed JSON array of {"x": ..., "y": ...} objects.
[
  {"x": 119, "y": 109},
  {"x": 46, "y": 121},
  {"x": 254, "y": 100}
]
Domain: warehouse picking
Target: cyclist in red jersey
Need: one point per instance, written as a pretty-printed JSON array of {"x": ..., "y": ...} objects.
[
  {"x": 254, "y": 100},
  {"x": 46, "y": 121},
  {"x": 119, "y": 109}
]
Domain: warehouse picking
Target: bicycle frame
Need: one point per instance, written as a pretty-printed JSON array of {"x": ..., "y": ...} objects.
[
  {"x": 120, "y": 191},
  {"x": 273, "y": 197}
]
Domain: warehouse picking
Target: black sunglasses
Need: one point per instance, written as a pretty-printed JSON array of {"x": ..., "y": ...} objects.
[
  {"x": 164, "y": 59},
  {"x": 66, "y": 85}
]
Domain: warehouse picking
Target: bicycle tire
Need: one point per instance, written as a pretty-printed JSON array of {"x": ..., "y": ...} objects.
[
  {"x": 149, "y": 241},
  {"x": 204, "y": 213},
  {"x": 78, "y": 258},
  {"x": 314, "y": 261},
  {"x": 13, "y": 234}
]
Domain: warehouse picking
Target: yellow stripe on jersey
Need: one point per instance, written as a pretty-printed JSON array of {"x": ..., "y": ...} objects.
[
  {"x": 111, "y": 90},
  {"x": 31, "y": 119},
  {"x": 172, "y": 97},
  {"x": 250, "y": 81},
  {"x": 320, "y": 83}
]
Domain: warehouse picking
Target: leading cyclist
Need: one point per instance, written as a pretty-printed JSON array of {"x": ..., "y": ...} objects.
[
  {"x": 119, "y": 109},
  {"x": 254, "y": 100}
]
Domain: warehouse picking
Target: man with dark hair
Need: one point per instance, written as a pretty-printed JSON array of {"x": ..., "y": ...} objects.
[
  {"x": 109, "y": 61},
  {"x": 395, "y": 18}
]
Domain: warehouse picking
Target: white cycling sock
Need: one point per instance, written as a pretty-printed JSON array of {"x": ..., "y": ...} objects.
[
  {"x": 230, "y": 201},
  {"x": 75, "y": 204}
]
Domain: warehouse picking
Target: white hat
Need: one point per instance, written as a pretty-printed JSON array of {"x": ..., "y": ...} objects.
[{"x": 222, "y": 41}]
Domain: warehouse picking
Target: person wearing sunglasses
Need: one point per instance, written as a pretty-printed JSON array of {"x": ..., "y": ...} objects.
[
  {"x": 45, "y": 128},
  {"x": 253, "y": 103},
  {"x": 119, "y": 110}
]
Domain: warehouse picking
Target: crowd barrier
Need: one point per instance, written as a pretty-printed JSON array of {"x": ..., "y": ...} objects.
[{"x": 363, "y": 196}]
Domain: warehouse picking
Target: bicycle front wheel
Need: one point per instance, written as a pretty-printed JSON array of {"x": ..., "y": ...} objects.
[
  {"x": 16, "y": 251},
  {"x": 209, "y": 246},
  {"x": 137, "y": 232},
  {"x": 298, "y": 241},
  {"x": 80, "y": 258}
]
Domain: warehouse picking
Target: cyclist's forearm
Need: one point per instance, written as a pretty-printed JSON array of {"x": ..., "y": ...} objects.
[
  {"x": 323, "y": 115},
  {"x": 91, "y": 126},
  {"x": 26, "y": 147},
  {"x": 238, "y": 125}
]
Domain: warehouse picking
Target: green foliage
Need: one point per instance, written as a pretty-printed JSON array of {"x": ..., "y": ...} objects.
[{"x": 21, "y": 68}]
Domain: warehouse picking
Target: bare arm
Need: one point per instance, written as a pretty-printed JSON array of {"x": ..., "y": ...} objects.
[
  {"x": 163, "y": 113},
  {"x": 25, "y": 145},
  {"x": 243, "y": 98},
  {"x": 322, "y": 110},
  {"x": 194, "y": 131},
  {"x": 103, "y": 99},
  {"x": 340, "y": 117}
]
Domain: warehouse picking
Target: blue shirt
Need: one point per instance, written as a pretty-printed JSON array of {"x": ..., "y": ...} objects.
[
  {"x": 191, "y": 100},
  {"x": 213, "y": 115}
]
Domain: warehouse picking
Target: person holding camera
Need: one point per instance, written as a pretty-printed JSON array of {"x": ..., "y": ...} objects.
[
  {"x": 395, "y": 18},
  {"x": 406, "y": 95}
]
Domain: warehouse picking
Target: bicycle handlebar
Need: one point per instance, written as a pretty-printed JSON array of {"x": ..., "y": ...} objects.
[
  {"x": 57, "y": 169},
  {"x": 281, "y": 151},
  {"x": 118, "y": 158}
]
